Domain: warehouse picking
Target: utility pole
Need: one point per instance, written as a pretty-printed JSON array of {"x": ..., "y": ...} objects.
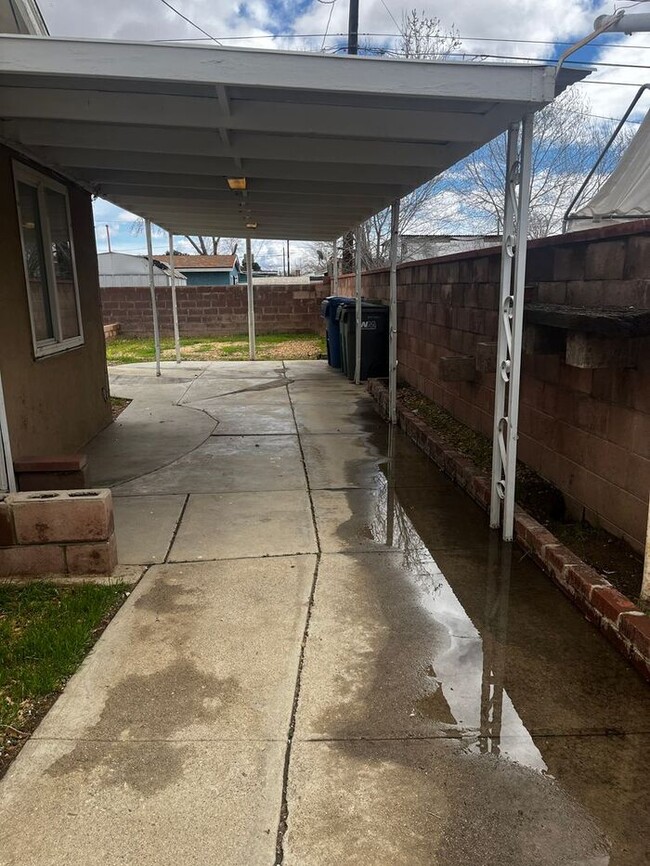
[
  {"x": 108, "y": 238},
  {"x": 288, "y": 260},
  {"x": 353, "y": 27},
  {"x": 347, "y": 251},
  {"x": 284, "y": 263}
]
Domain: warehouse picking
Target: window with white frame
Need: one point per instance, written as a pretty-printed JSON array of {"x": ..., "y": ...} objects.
[{"x": 48, "y": 254}]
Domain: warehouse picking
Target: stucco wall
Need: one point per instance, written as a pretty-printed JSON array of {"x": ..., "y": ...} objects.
[
  {"x": 585, "y": 430},
  {"x": 54, "y": 404}
]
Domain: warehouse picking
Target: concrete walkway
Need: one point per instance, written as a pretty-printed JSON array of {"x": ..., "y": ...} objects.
[{"x": 329, "y": 660}]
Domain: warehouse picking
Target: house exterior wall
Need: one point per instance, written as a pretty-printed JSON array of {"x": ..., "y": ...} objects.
[
  {"x": 57, "y": 403},
  {"x": 211, "y": 278},
  {"x": 216, "y": 310},
  {"x": 585, "y": 430}
]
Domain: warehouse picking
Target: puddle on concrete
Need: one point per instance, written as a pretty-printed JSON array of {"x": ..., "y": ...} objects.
[{"x": 484, "y": 651}]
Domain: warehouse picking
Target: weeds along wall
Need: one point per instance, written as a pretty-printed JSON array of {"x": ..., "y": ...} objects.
[
  {"x": 585, "y": 394},
  {"x": 215, "y": 310}
]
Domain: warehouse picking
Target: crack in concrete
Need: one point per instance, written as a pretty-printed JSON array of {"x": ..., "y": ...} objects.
[{"x": 283, "y": 823}]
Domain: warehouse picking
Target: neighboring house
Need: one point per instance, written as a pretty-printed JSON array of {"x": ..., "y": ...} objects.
[
  {"x": 412, "y": 247},
  {"x": 124, "y": 269},
  {"x": 207, "y": 270}
]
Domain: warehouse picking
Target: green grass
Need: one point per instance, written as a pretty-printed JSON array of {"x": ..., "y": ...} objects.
[
  {"x": 130, "y": 350},
  {"x": 45, "y": 632}
]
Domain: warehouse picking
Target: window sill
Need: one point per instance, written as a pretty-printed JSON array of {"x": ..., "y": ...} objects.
[{"x": 47, "y": 351}]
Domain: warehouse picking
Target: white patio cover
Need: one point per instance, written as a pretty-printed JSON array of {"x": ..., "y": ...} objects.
[
  {"x": 324, "y": 142},
  {"x": 626, "y": 193}
]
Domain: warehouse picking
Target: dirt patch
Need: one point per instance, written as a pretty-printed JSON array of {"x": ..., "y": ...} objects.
[
  {"x": 610, "y": 556},
  {"x": 118, "y": 405}
]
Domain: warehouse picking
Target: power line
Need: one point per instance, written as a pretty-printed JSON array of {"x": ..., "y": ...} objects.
[
  {"x": 558, "y": 43},
  {"x": 189, "y": 21},
  {"x": 383, "y": 3},
  {"x": 329, "y": 20}
]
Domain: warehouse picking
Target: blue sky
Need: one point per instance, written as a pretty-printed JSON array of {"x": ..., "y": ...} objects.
[{"x": 518, "y": 28}]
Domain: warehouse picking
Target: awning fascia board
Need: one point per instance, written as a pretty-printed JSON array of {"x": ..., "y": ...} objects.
[{"x": 231, "y": 67}]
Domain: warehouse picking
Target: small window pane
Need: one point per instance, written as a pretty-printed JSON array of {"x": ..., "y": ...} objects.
[
  {"x": 30, "y": 227},
  {"x": 62, "y": 259}
]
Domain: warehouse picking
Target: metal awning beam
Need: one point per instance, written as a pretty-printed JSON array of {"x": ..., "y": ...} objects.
[
  {"x": 201, "y": 113},
  {"x": 46, "y": 135},
  {"x": 73, "y": 159}
]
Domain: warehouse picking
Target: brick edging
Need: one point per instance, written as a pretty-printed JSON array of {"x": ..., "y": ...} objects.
[{"x": 624, "y": 624}]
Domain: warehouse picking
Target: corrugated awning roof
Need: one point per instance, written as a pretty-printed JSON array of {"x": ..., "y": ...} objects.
[{"x": 323, "y": 141}]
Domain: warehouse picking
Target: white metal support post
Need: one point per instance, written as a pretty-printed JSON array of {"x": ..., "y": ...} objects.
[
  {"x": 357, "y": 294},
  {"x": 251, "y": 301},
  {"x": 7, "y": 478},
  {"x": 511, "y": 320},
  {"x": 152, "y": 289},
  {"x": 392, "y": 321},
  {"x": 172, "y": 283},
  {"x": 335, "y": 267}
]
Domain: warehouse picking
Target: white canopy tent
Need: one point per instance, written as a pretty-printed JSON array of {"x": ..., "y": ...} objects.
[
  {"x": 271, "y": 144},
  {"x": 625, "y": 195}
]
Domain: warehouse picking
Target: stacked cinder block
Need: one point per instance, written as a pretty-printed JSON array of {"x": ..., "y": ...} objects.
[{"x": 62, "y": 532}]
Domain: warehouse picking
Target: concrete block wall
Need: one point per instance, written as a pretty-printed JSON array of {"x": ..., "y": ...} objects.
[
  {"x": 215, "y": 310},
  {"x": 62, "y": 532},
  {"x": 585, "y": 430}
]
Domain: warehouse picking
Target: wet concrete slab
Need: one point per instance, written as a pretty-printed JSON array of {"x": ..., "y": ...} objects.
[
  {"x": 155, "y": 804},
  {"x": 476, "y": 648},
  {"x": 453, "y": 708},
  {"x": 348, "y": 460},
  {"x": 374, "y": 519},
  {"x": 177, "y": 664},
  {"x": 227, "y": 463},
  {"x": 324, "y": 390},
  {"x": 427, "y": 803},
  {"x": 145, "y": 526},
  {"x": 406, "y": 639},
  {"x": 231, "y": 525},
  {"x": 340, "y": 416}
]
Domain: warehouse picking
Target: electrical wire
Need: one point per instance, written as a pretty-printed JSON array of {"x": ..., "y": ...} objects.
[
  {"x": 332, "y": 4},
  {"x": 609, "y": 45},
  {"x": 189, "y": 21},
  {"x": 383, "y": 3}
]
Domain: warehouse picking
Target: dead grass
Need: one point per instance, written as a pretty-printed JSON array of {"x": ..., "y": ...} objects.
[{"x": 269, "y": 347}]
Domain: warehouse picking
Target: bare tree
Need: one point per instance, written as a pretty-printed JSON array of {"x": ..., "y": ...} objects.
[
  {"x": 426, "y": 208},
  {"x": 203, "y": 245},
  {"x": 423, "y": 37},
  {"x": 209, "y": 246},
  {"x": 567, "y": 141}
]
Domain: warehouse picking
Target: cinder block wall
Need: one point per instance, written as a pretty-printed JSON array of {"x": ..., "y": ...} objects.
[
  {"x": 216, "y": 310},
  {"x": 585, "y": 430}
]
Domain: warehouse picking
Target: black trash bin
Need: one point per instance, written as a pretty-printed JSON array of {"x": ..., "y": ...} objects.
[{"x": 374, "y": 339}]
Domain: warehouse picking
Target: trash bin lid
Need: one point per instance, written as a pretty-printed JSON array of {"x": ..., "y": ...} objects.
[{"x": 330, "y": 304}]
